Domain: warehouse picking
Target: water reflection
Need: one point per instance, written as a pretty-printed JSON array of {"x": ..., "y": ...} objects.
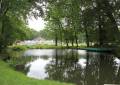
[
  {"x": 37, "y": 69},
  {"x": 39, "y": 52},
  {"x": 72, "y": 65}
]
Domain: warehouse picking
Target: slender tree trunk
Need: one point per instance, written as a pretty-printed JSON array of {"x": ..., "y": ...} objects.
[
  {"x": 61, "y": 33},
  {"x": 1, "y": 8},
  {"x": 4, "y": 7},
  {"x": 2, "y": 33},
  {"x": 67, "y": 43},
  {"x": 76, "y": 39},
  {"x": 87, "y": 37},
  {"x": 101, "y": 35},
  {"x": 72, "y": 42},
  {"x": 56, "y": 40},
  {"x": 100, "y": 24}
]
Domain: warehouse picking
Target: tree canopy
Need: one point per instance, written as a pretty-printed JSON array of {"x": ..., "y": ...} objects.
[{"x": 97, "y": 20}]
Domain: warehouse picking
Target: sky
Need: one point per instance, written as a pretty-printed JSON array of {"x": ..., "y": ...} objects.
[{"x": 36, "y": 24}]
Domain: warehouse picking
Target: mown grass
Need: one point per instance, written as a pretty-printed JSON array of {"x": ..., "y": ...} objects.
[
  {"x": 42, "y": 46},
  {"x": 9, "y": 76}
]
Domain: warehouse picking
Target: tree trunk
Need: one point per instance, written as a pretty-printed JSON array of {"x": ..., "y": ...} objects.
[
  {"x": 56, "y": 40},
  {"x": 76, "y": 39},
  {"x": 87, "y": 37},
  {"x": 101, "y": 35},
  {"x": 72, "y": 42},
  {"x": 67, "y": 43},
  {"x": 61, "y": 34}
]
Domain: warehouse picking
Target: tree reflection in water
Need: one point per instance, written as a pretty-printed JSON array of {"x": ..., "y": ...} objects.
[
  {"x": 74, "y": 66},
  {"x": 100, "y": 68}
]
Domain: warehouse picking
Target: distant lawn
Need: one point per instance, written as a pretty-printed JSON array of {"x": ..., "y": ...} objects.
[
  {"x": 42, "y": 46},
  {"x": 10, "y": 77}
]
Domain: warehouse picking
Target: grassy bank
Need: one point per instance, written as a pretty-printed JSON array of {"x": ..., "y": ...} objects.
[
  {"x": 10, "y": 77},
  {"x": 44, "y": 46}
]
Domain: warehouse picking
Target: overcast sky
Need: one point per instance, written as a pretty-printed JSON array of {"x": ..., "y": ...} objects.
[{"x": 37, "y": 25}]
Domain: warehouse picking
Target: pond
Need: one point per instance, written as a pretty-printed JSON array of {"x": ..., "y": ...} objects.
[{"x": 68, "y": 65}]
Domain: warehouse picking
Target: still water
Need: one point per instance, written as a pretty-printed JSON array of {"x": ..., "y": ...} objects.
[{"x": 69, "y": 65}]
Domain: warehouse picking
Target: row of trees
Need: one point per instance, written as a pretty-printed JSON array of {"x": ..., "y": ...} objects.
[{"x": 98, "y": 20}]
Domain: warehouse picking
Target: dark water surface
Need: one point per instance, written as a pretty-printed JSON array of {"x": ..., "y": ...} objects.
[{"x": 69, "y": 65}]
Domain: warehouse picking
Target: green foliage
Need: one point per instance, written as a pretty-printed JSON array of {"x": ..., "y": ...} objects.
[
  {"x": 13, "y": 14},
  {"x": 13, "y": 30},
  {"x": 47, "y": 34},
  {"x": 98, "y": 20},
  {"x": 67, "y": 20}
]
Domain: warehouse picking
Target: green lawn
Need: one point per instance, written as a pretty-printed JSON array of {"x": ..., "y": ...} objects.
[
  {"x": 42, "y": 46},
  {"x": 10, "y": 77}
]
